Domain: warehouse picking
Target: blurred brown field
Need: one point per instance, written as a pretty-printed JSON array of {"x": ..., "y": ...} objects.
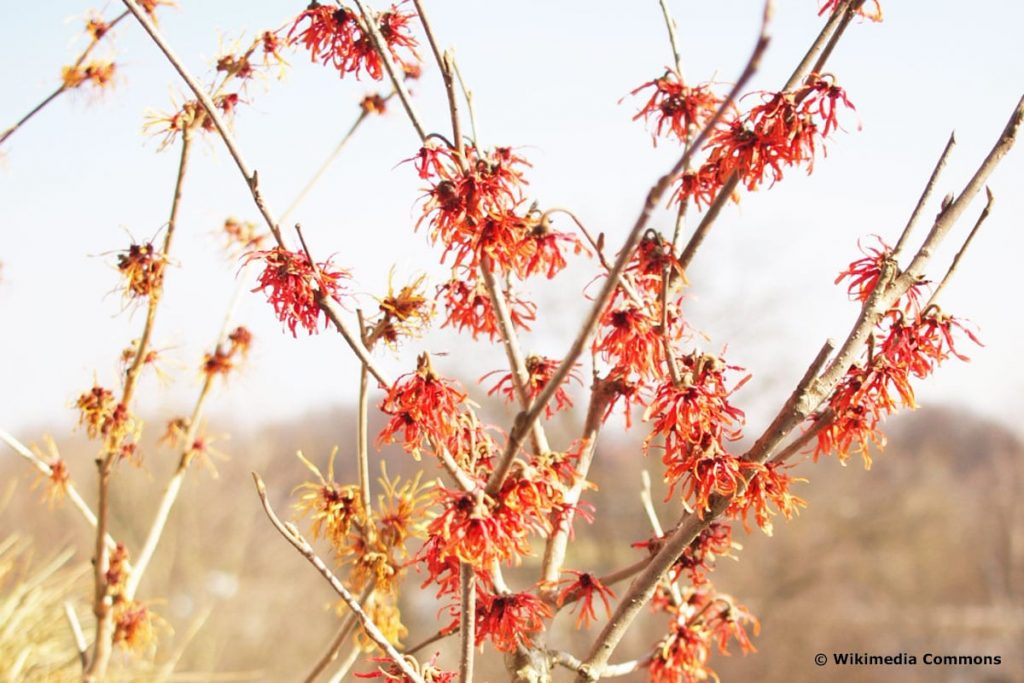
[{"x": 923, "y": 553}]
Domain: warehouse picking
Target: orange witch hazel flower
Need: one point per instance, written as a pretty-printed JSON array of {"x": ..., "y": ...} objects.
[
  {"x": 468, "y": 306},
  {"x": 295, "y": 287},
  {"x": 676, "y": 107},
  {"x": 99, "y": 74},
  {"x": 539, "y": 370},
  {"x": 424, "y": 409},
  {"x": 585, "y": 588},
  {"x": 509, "y": 619}
]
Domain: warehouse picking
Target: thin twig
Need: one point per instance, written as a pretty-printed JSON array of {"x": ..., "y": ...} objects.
[
  {"x": 652, "y": 516},
  {"x": 510, "y": 342},
  {"x": 811, "y": 56},
  {"x": 362, "y": 424},
  {"x": 924, "y": 195},
  {"x": 572, "y": 663},
  {"x": 70, "y": 490},
  {"x": 444, "y": 63},
  {"x": 380, "y": 45},
  {"x": 467, "y": 621},
  {"x": 76, "y": 631},
  {"x": 348, "y": 626},
  {"x": 959, "y": 255},
  {"x": 468, "y": 94},
  {"x": 311, "y": 183},
  {"x": 670, "y": 24},
  {"x": 558, "y": 542},
  {"x": 296, "y": 539}
]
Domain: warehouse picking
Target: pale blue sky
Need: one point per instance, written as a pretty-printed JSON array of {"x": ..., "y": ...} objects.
[{"x": 548, "y": 75}]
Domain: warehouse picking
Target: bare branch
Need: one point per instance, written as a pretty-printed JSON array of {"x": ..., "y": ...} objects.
[
  {"x": 670, "y": 24},
  {"x": 467, "y": 621},
  {"x": 959, "y": 255},
  {"x": 925, "y": 195},
  {"x": 348, "y": 627},
  {"x": 76, "y": 631},
  {"x": 397, "y": 79}
]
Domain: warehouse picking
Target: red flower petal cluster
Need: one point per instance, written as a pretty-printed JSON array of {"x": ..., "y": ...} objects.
[
  {"x": 907, "y": 342},
  {"x": 539, "y": 370},
  {"x": 768, "y": 485},
  {"x": 695, "y": 419},
  {"x": 584, "y": 589},
  {"x": 424, "y": 409},
  {"x": 676, "y": 107},
  {"x": 337, "y": 35},
  {"x": 468, "y": 306},
  {"x": 509, "y": 619},
  {"x": 294, "y": 286}
]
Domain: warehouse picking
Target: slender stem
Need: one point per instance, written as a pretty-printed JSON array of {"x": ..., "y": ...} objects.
[
  {"x": 670, "y": 24},
  {"x": 105, "y": 463},
  {"x": 353, "y": 657},
  {"x": 652, "y": 516},
  {"x": 558, "y": 543},
  {"x": 362, "y": 425},
  {"x": 444, "y": 63},
  {"x": 510, "y": 341},
  {"x": 811, "y": 56},
  {"x": 427, "y": 642},
  {"x": 566, "y": 660},
  {"x": 526, "y": 419},
  {"x": 348, "y": 626},
  {"x": 468, "y": 94},
  {"x": 170, "y": 495},
  {"x": 928, "y": 188},
  {"x": 296, "y": 539},
  {"x": 959, "y": 255},
  {"x": 311, "y": 183},
  {"x": 76, "y": 631},
  {"x": 467, "y": 621},
  {"x": 398, "y": 82}
]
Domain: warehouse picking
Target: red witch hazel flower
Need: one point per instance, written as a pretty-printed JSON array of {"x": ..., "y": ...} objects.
[
  {"x": 509, "y": 619},
  {"x": 584, "y": 588},
  {"x": 865, "y": 272},
  {"x": 468, "y": 306},
  {"x": 429, "y": 672},
  {"x": 295, "y": 287},
  {"x": 676, "y": 107},
  {"x": 539, "y": 371},
  {"x": 337, "y": 36},
  {"x": 476, "y": 531},
  {"x": 424, "y": 409},
  {"x": 769, "y": 484}
]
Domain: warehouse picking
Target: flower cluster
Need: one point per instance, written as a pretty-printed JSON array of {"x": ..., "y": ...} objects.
[
  {"x": 468, "y": 306},
  {"x": 142, "y": 266},
  {"x": 424, "y": 410},
  {"x": 294, "y": 286},
  {"x": 98, "y": 73},
  {"x": 509, "y": 620},
  {"x": 405, "y": 313},
  {"x": 908, "y": 342},
  {"x": 676, "y": 108},
  {"x": 584, "y": 589},
  {"x": 224, "y": 358},
  {"x": 705, "y": 621},
  {"x": 337, "y": 36},
  {"x": 696, "y": 419},
  {"x": 539, "y": 371}
]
